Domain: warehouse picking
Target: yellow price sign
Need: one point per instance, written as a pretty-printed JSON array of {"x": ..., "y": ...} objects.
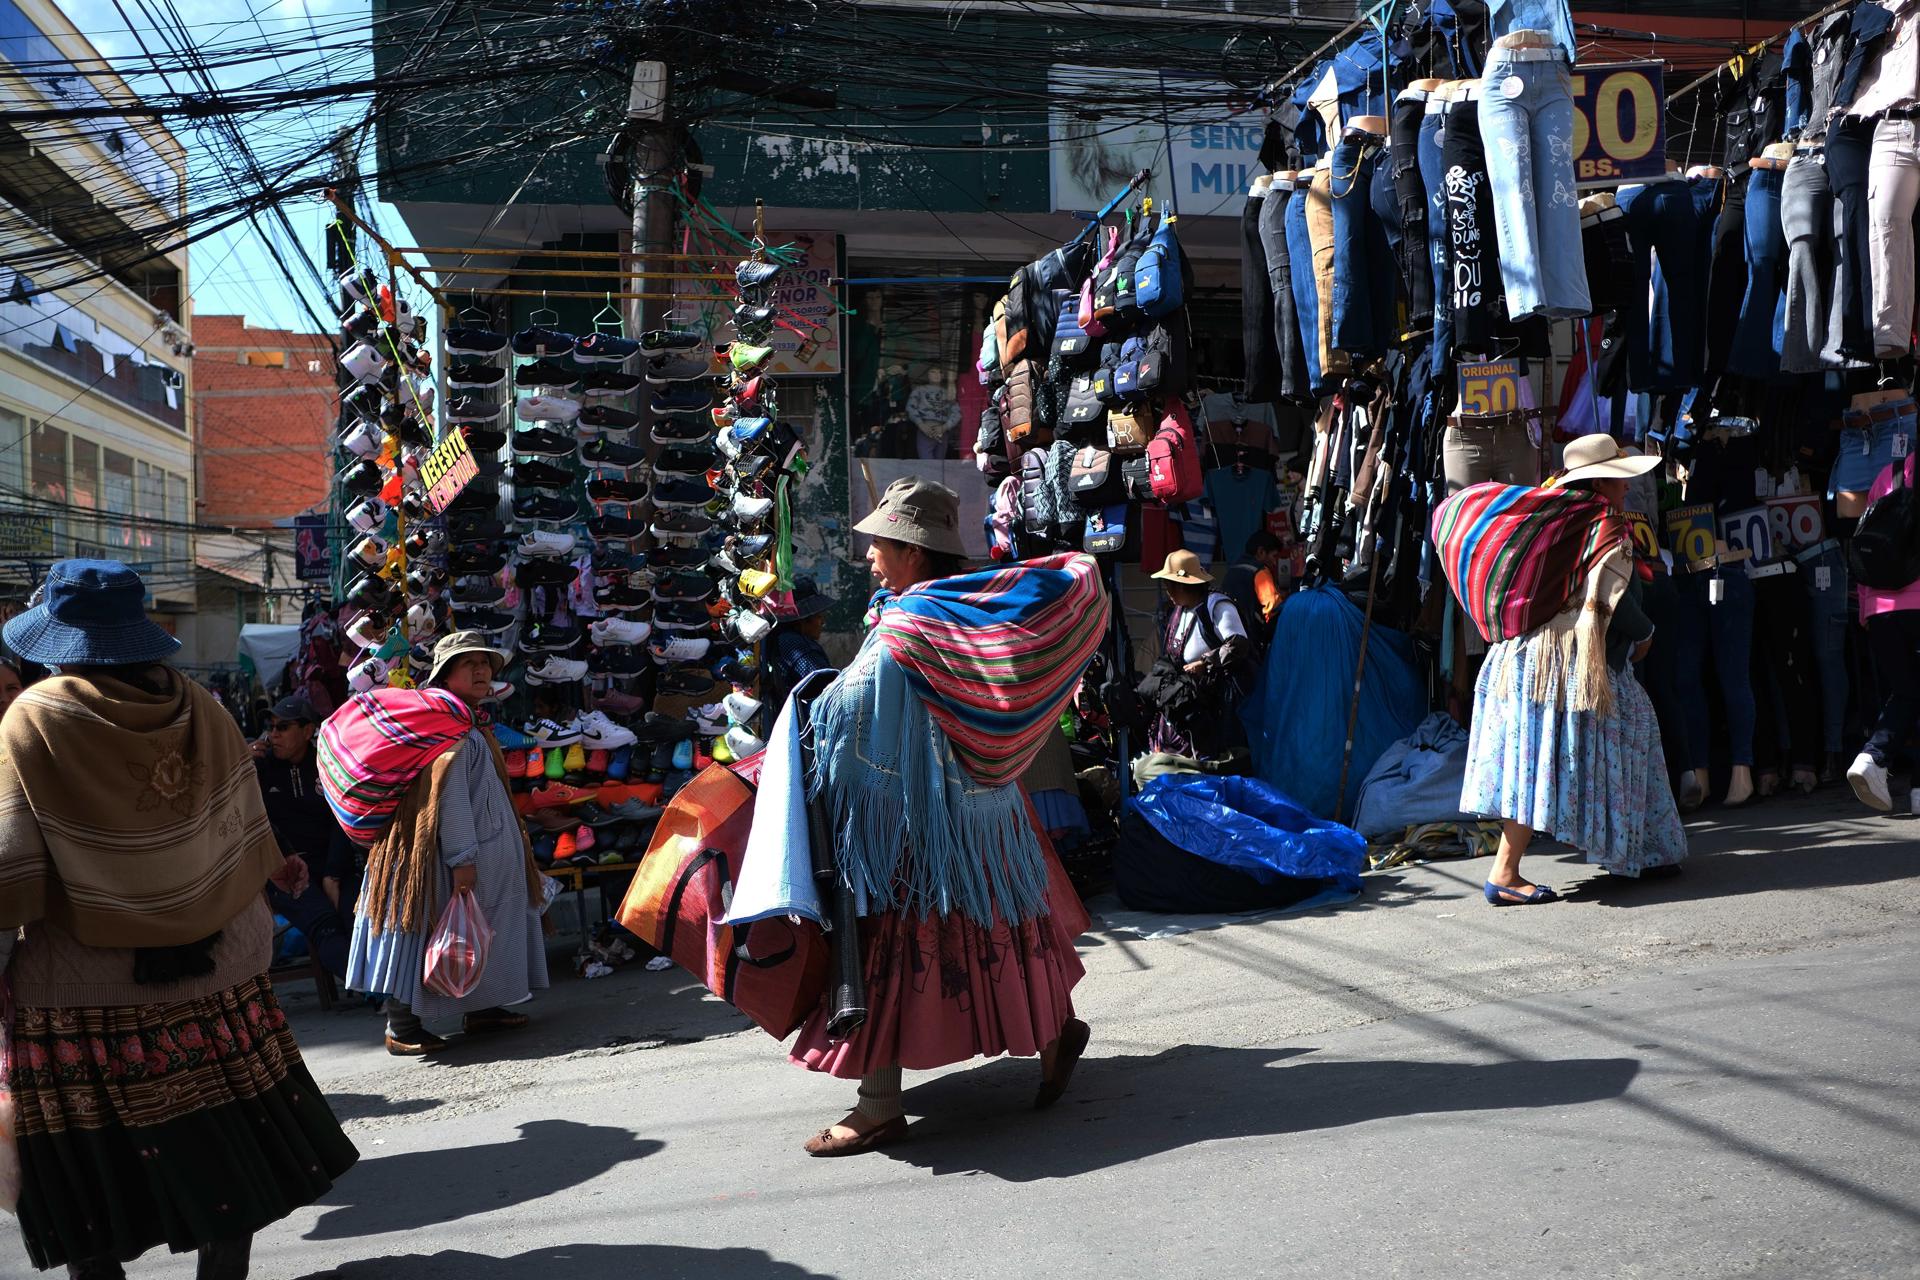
[
  {"x": 1645, "y": 544},
  {"x": 1690, "y": 533},
  {"x": 1490, "y": 390},
  {"x": 1619, "y": 123}
]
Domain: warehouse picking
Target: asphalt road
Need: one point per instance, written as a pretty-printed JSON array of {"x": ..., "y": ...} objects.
[{"x": 1711, "y": 1076}]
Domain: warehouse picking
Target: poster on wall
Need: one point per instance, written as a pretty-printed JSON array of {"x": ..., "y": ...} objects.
[
  {"x": 1214, "y": 132},
  {"x": 311, "y": 562},
  {"x": 806, "y": 335}
]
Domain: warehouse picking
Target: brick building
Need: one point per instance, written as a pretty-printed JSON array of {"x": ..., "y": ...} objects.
[{"x": 263, "y": 410}]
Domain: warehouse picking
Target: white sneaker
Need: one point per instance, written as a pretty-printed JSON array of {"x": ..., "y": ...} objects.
[
  {"x": 362, "y": 440},
  {"x": 363, "y": 363},
  {"x": 1869, "y": 781},
  {"x": 742, "y": 707},
  {"x": 597, "y": 730},
  {"x": 368, "y": 634},
  {"x": 752, "y": 508},
  {"x": 367, "y": 675},
  {"x": 743, "y": 742},
  {"x": 679, "y": 648},
  {"x": 546, "y": 542},
  {"x": 499, "y": 691},
  {"x": 557, "y": 670},
  {"x": 710, "y": 720},
  {"x": 747, "y": 627},
  {"x": 611, "y": 631},
  {"x": 552, "y": 733},
  {"x": 548, "y": 409}
]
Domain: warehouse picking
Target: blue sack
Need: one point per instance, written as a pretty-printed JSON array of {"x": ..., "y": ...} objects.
[
  {"x": 1245, "y": 824},
  {"x": 1298, "y": 723}
]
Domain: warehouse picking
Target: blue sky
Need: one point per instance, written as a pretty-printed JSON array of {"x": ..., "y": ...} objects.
[{"x": 232, "y": 271}]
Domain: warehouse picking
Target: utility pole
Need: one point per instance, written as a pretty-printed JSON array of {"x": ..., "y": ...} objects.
[
  {"x": 339, "y": 260},
  {"x": 653, "y": 202}
]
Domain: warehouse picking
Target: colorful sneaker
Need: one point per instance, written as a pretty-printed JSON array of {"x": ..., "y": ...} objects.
[
  {"x": 564, "y": 849},
  {"x": 556, "y": 763},
  {"x": 511, "y": 739},
  {"x": 745, "y": 357},
  {"x": 516, "y": 763},
  {"x": 556, "y": 794},
  {"x": 597, "y": 761},
  {"x": 683, "y": 754},
  {"x": 536, "y": 765},
  {"x": 575, "y": 759},
  {"x": 584, "y": 839},
  {"x": 619, "y": 763},
  {"x": 598, "y": 730}
]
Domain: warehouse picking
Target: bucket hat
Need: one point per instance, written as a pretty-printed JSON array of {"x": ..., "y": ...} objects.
[
  {"x": 924, "y": 513},
  {"x": 809, "y": 599},
  {"x": 1600, "y": 457},
  {"x": 92, "y": 613},
  {"x": 1185, "y": 567},
  {"x": 459, "y": 642}
]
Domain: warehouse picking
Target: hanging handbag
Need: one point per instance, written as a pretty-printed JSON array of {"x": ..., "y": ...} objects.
[
  {"x": 1059, "y": 467},
  {"x": 1093, "y": 327},
  {"x": 1126, "y": 296},
  {"x": 1885, "y": 554},
  {"x": 1136, "y": 478},
  {"x": 1162, "y": 363},
  {"x": 1126, "y": 374},
  {"x": 990, "y": 445},
  {"x": 1083, "y": 400},
  {"x": 1106, "y": 531},
  {"x": 1094, "y": 477},
  {"x": 1070, "y": 342},
  {"x": 1038, "y": 506},
  {"x": 1174, "y": 458},
  {"x": 1128, "y": 429},
  {"x": 1159, "y": 280}
]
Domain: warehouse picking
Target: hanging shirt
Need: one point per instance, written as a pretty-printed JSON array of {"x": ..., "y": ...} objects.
[
  {"x": 1240, "y": 504},
  {"x": 1892, "y": 76},
  {"x": 1551, "y": 16}
]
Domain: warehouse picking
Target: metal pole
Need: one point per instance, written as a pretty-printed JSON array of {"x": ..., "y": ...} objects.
[{"x": 653, "y": 204}]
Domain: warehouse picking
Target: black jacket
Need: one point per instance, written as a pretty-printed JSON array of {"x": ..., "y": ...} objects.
[{"x": 296, "y": 806}]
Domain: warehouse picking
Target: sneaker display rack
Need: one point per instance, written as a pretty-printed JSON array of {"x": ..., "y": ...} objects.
[{"x": 622, "y": 542}]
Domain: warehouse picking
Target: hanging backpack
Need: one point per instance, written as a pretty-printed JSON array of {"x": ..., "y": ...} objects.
[
  {"x": 1126, "y": 374},
  {"x": 1071, "y": 345},
  {"x": 1885, "y": 555},
  {"x": 1161, "y": 365},
  {"x": 1003, "y": 515},
  {"x": 1013, "y": 321},
  {"x": 1094, "y": 477},
  {"x": 1059, "y": 468},
  {"x": 1038, "y": 508},
  {"x": 990, "y": 445},
  {"x": 989, "y": 362},
  {"x": 1173, "y": 459},
  {"x": 1126, "y": 286},
  {"x": 1020, "y": 413},
  {"x": 1088, "y": 321},
  {"x": 1159, "y": 281}
]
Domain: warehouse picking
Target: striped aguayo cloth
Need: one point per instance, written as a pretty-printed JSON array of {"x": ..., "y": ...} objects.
[
  {"x": 995, "y": 655},
  {"x": 373, "y": 748},
  {"x": 1517, "y": 556}
]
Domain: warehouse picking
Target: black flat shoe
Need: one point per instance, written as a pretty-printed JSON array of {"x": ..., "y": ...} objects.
[{"x": 1073, "y": 1042}]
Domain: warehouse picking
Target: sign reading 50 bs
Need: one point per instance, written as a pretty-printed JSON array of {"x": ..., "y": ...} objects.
[{"x": 1619, "y": 123}]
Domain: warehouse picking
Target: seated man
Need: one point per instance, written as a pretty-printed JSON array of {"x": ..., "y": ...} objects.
[{"x": 289, "y": 773}]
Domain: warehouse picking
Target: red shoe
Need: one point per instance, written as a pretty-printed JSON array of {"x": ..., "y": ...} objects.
[
  {"x": 597, "y": 762},
  {"x": 565, "y": 849},
  {"x": 516, "y": 764},
  {"x": 584, "y": 839},
  {"x": 556, "y": 794},
  {"x": 535, "y": 765}
]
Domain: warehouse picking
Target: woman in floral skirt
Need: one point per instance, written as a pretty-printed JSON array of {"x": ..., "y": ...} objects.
[
  {"x": 1563, "y": 739},
  {"x": 159, "y": 1098}
]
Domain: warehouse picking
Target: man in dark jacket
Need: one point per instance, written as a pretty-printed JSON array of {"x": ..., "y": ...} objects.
[
  {"x": 289, "y": 773},
  {"x": 1257, "y": 588}
]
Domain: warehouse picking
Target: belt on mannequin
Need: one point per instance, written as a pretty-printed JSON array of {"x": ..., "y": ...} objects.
[
  {"x": 1817, "y": 550},
  {"x": 1527, "y": 53}
]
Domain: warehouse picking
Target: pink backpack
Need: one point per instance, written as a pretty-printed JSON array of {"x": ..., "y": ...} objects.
[
  {"x": 1093, "y": 327},
  {"x": 1002, "y": 514},
  {"x": 1173, "y": 458}
]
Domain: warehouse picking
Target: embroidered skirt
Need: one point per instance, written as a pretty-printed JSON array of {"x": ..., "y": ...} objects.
[
  {"x": 1596, "y": 783},
  {"x": 943, "y": 990},
  {"x": 175, "y": 1124}
]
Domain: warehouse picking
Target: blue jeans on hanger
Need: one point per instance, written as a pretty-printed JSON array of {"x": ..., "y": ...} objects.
[
  {"x": 1757, "y": 338},
  {"x": 1362, "y": 259},
  {"x": 1829, "y": 600},
  {"x": 1665, "y": 346},
  {"x": 1526, "y": 121},
  {"x": 1850, "y": 328},
  {"x": 1306, "y": 293},
  {"x": 1728, "y": 627},
  {"x": 1433, "y": 173}
]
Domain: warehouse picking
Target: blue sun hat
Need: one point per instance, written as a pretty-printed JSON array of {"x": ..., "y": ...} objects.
[{"x": 91, "y": 613}]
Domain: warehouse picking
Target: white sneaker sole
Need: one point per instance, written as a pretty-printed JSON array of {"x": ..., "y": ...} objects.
[{"x": 1863, "y": 790}]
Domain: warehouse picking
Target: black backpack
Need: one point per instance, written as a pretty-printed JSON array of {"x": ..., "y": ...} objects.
[{"x": 1886, "y": 544}]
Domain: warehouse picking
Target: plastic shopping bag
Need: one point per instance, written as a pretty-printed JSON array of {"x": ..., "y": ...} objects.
[
  {"x": 457, "y": 951},
  {"x": 9, "y": 1138}
]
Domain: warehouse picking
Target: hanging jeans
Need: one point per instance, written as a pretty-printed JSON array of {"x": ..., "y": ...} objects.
[
  {"x": 1433, "y": 177},
  {"x": 1823, "y": 575},
  {"x": 1756, "y": 340},
  {"x": 1306, "y": 296},
  {"x": 1286, "y": 313},
  {"x": 1526, "y": 123},
  {"x": 1728, "y": 627},
  {"x": 1471, "y": 253},
  {"x": 1362, "y": 264},
  {"x": 1660, "y": 601},
  {"x": 1893, "y": 639},
  {"x": 1664, "y": 347},
  {"x": 1849, "y": 157},
  {"x": 1409, "y": 184},
  {"x": 1786, "y": 692},
  {"x": 1806, "y": 219},
  {"x": 1725, "y": 252},
  {"x": 1261, "y": 358},
  {"x": 1893, "y": 192},
  {"x": 1320, "y": 229}
]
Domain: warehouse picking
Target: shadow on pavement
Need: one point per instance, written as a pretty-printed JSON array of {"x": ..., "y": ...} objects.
[
  {"x": 578, "y": 1262},
  {"x": 365, "y": 1106},
  {"x": 428, "y": 1188},
  {"x": 1126, "y": 1108}
]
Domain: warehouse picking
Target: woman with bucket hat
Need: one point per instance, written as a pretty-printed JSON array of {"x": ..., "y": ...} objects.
[
  {"x": 158, "y": 1095},
  {"x": 1207, "y": 637},
  {"x": 1563, "y": 739},
  {"x": 444, "y": 821},
  {"x": 966, "y": 937}
]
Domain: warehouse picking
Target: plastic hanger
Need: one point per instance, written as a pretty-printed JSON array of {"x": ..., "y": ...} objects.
[
  {"x": 552, "y": 316},
  {"x": 608, "y": 319}
]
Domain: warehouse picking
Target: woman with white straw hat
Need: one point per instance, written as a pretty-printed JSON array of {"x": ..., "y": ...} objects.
[
  {"x": 1207, "y": 637},
  {"x": 1563, "y": 739}
]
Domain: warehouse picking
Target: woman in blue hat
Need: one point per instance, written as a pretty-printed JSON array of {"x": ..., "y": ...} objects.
[{"x": 158, "y": 1095}]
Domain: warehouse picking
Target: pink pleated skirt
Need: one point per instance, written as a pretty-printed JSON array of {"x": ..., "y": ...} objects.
[{"x": 943, "y": 991}]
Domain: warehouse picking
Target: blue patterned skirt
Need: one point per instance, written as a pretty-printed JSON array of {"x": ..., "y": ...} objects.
[{"x": 1598, "y": 784}]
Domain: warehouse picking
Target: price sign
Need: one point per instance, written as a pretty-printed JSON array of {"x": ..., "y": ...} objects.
[
  {"x": 1619, "y": 123},
  {"x": 448, "y": 470},
  {"x": 1490, "y": 390},
  {"x": 1645, "y": 545},
  {"x": 1750, "y": 531},
  {"x": 1690, "y": 533},
  {"x": 1797, "y": 521}
]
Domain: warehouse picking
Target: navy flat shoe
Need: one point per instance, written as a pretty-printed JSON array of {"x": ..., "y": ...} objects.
[{"x": 1501, "y": 895}]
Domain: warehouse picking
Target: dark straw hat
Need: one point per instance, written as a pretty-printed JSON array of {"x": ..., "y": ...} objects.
[{"x": 92, "y": 613}]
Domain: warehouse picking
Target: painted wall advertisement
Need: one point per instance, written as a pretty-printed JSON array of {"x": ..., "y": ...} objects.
[
  {"x": 1200, "y": 139},
  {"x": 806, "y": 336}
]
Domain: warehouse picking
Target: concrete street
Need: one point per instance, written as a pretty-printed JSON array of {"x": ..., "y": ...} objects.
[{"x": 1711, "y": 1076}]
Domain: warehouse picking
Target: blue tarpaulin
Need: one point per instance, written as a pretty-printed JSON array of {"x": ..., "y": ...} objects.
[
  {"x": 1245, "y": 824},
  {"x": 1297, "y": 720}
]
